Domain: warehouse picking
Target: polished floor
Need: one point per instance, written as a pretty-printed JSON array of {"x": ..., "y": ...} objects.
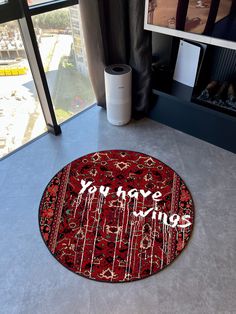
[{"x": 201, "y": 280}]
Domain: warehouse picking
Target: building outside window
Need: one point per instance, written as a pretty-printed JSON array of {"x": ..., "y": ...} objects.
[
  {"x": 21, "y": 117},
  {"x": 60, "y": 41}
]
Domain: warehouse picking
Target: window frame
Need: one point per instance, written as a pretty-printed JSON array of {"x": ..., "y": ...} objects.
[
  {"x": 20, "y": 10},
  {"x": 10, "y": 11},
  {"x": 51, "y": 6}
]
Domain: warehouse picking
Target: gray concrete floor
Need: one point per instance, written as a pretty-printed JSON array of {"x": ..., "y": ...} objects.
[{"x": 201, "y": 280}]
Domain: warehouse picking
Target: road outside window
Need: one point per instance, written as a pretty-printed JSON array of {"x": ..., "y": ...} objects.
[
  {"x": 61, "y": 44},
  {"x": 21, "y": 117}
]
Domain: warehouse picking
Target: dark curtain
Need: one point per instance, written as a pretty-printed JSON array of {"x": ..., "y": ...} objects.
[{"x": 114, "y": 33}]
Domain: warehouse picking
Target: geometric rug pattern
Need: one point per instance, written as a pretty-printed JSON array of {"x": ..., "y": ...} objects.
[{"x": 116, "y": 216}]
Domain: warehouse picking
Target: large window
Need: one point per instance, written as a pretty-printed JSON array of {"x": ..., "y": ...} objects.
[
  {"x": 43, "y": 69},
  {"x": 60, "y": 40},
  {"x": 21, "y": 117}
]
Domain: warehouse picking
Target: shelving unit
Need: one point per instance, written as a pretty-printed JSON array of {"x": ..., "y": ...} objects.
[
  {"x": 176, "y": 105},
  {"x": 175, "y": 90}
]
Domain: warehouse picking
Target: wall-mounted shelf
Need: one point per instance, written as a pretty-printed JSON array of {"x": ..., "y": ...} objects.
[
  {"x": 175, "y": 90},
  {"x": 178, "y": 106},
  {"x": 215, "y": 127}
]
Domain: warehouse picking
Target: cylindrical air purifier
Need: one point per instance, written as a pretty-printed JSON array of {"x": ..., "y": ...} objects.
[{"x": 118, "y": 80}]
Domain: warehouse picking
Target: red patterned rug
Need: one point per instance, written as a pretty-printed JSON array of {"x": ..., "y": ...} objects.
[{"x": 116, "y": 216}]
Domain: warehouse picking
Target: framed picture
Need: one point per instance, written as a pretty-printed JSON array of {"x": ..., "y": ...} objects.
[{"x": 209, "y": 21}]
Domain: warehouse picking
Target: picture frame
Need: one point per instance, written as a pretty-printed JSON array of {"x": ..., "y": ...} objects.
[{"x": 211, "y": 22}]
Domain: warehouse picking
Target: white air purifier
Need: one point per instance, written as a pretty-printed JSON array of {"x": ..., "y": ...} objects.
[{"x": 118, "y": 81}]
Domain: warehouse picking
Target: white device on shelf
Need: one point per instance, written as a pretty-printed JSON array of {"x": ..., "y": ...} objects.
[
  {"x": 187, "y": 63},
  {"x": 118, "y": 81}
]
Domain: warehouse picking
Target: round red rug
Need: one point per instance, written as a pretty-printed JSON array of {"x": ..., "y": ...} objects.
[{"x": 116, "y": 216}]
